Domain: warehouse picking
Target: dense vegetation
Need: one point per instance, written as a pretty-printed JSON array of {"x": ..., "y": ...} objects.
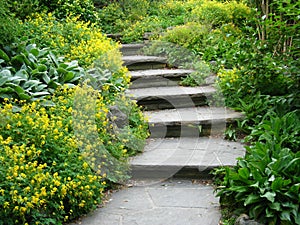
[
  {"x": 54, "y": 56},
  {"x": 254, "y": 47},
  {"x": 62, "y": 143}
]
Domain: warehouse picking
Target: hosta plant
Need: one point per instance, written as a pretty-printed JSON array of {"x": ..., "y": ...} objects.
[{"x": 33, "y": 73}]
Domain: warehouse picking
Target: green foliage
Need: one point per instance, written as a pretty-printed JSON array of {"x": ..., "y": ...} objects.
[
  {"x": 44, "y": 177},
  {"x": 215, "y": 13},
  {"x": 180, "y": 57},
  {"x": 33, "y": 73},
  {"x": 266, "y": 182},
  {"x": 8, "y": 25}
]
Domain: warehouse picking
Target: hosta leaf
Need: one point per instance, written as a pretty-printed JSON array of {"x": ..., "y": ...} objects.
[
  {"x": 275, "y": 206},
  {"x": 46, "y": 78},
  {"x": 4, "y": 56},
  {"x": 31, "y": 83},
  {"x": 68, "y": 76},
  {"x": 285, "y": 215},
  {"x": 238, "y": 188},
  {"x": 3, "y": 80},
  {"x": 270, "y": 196},
  {"x": 252, "y": 198},
  {"x": 22, "y": 74},
  {"x": 5, "y": 73},
  {"x": 277, "y": 184},
  {"x": 7, "y": 90},
  {"x": 53, "y": 58},
  {"x": 72, "y": 65},
  {"x": 40, "y": 93},
  {"x": 35, "y": 52},
  {"x": 42, "y": 68},
  {"x": 24, "y": 96},
  {"x": 244, "y": 173},
  {"x": 41, "y": 87},
  {"x": 62, "y": 70}
]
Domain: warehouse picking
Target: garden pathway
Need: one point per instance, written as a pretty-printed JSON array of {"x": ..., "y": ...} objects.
[{"x": 170, "y": 181}]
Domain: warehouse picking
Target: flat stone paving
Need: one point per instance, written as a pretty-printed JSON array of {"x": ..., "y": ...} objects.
[
  {"x": 164, "y": 157},
  {"x": 192, "y": 115},
  {"x": 160, "y": 72},
  {"x": 166, "y": 92},
  {"x": 128, "y": 60},
  {"x": 169, "y": 202}
]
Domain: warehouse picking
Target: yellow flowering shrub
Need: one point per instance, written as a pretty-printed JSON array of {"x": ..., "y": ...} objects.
[
  {"x": 75, "y": 39},
  {"x": 56, "y": 155}
]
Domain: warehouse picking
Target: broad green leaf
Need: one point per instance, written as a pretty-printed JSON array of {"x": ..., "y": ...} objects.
[
  {"x": 275, "y": 206},
  {"x": 68, "y": 76},
  {"x": 22, "y": 74},
  {"x": 35, "y": 52},
  {"x": 41, "y": 87},
  {"x": 7, "y": 90},
  {"x": 285, "y": 215},
  {"x": 72, "y": 65},
  {"x": 31, "y": 83},
  {"x": 24, "y": 96},
  {"x": 42, "y": 68},
  {"x": 239, "y": 188},
  {"x": 270, "y": 196},
  {"x": 5, "y": 73},
  {"x": 3, "y": 80},
  {"x": 4, "y": 56},
  {"x": 62, "y": 70},
  {"x": 244, "y": 173},
  {"x": 40, "y": 93},
  {"x": 277, "y": 184},
  {"x": 252, "y": 198},
  {"x": 46, "y": 78}
]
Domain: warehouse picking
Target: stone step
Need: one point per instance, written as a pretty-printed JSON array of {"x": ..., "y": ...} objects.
[
  {"x": 157, "y": 78},
  {"x": 142, "y": 62},
  {"x": 172, "y": 97},
  {"x": 187, "y": 157},
  {"x": 131, "y": 49},
  {"x": 190, "y": 122}
]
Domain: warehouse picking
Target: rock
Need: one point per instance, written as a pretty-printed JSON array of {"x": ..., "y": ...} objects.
[
  {"x": 245, "y": 220},
  {"x": 119, "y": 118}
]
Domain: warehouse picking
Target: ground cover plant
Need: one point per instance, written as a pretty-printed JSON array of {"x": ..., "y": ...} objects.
[{"x": 61, "y": 95}]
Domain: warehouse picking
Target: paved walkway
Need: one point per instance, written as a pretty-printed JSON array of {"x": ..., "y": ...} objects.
[
  {"x": 170, "y": 202},
  {"x": 186, "y": 141}
]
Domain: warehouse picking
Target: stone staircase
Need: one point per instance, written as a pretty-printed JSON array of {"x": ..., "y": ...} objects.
[{"x": 186, "y": 133}]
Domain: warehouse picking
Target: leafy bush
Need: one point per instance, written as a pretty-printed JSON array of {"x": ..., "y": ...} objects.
[
  {"x": 216, "y": 14},
  {"x": 266, "y": 182},
  {"x": 44, "y": 178},
  {"x": 71, "y": 38},
  {"x": 33, "y": 73},
  {"x": 57, "y": 154},
  {"x": 8, "y": 25}
]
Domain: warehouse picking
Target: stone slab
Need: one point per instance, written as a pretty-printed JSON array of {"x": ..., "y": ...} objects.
[
  {"x": 134, "y": 59},
  {"x": 163, "y": 158},
  {"x": 166, "y": 73},
  {"x": 192, "y": 116},
  {"x": 168, "y": 202},
  {"x": 131, "y": 49},
  {"x": 170, "y": 92}
]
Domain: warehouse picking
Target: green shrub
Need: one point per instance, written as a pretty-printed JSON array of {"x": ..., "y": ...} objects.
[
  {"x": 216, "y": 14},
  {"x": 190, "y": 36},
  {"x": 44, "y": 178},
  {"x": 266, "y": 182},
  {"x": 212, "y": 13},
  {"x": 9, "y": 28},
  {"x": 57, "y": 154}
]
